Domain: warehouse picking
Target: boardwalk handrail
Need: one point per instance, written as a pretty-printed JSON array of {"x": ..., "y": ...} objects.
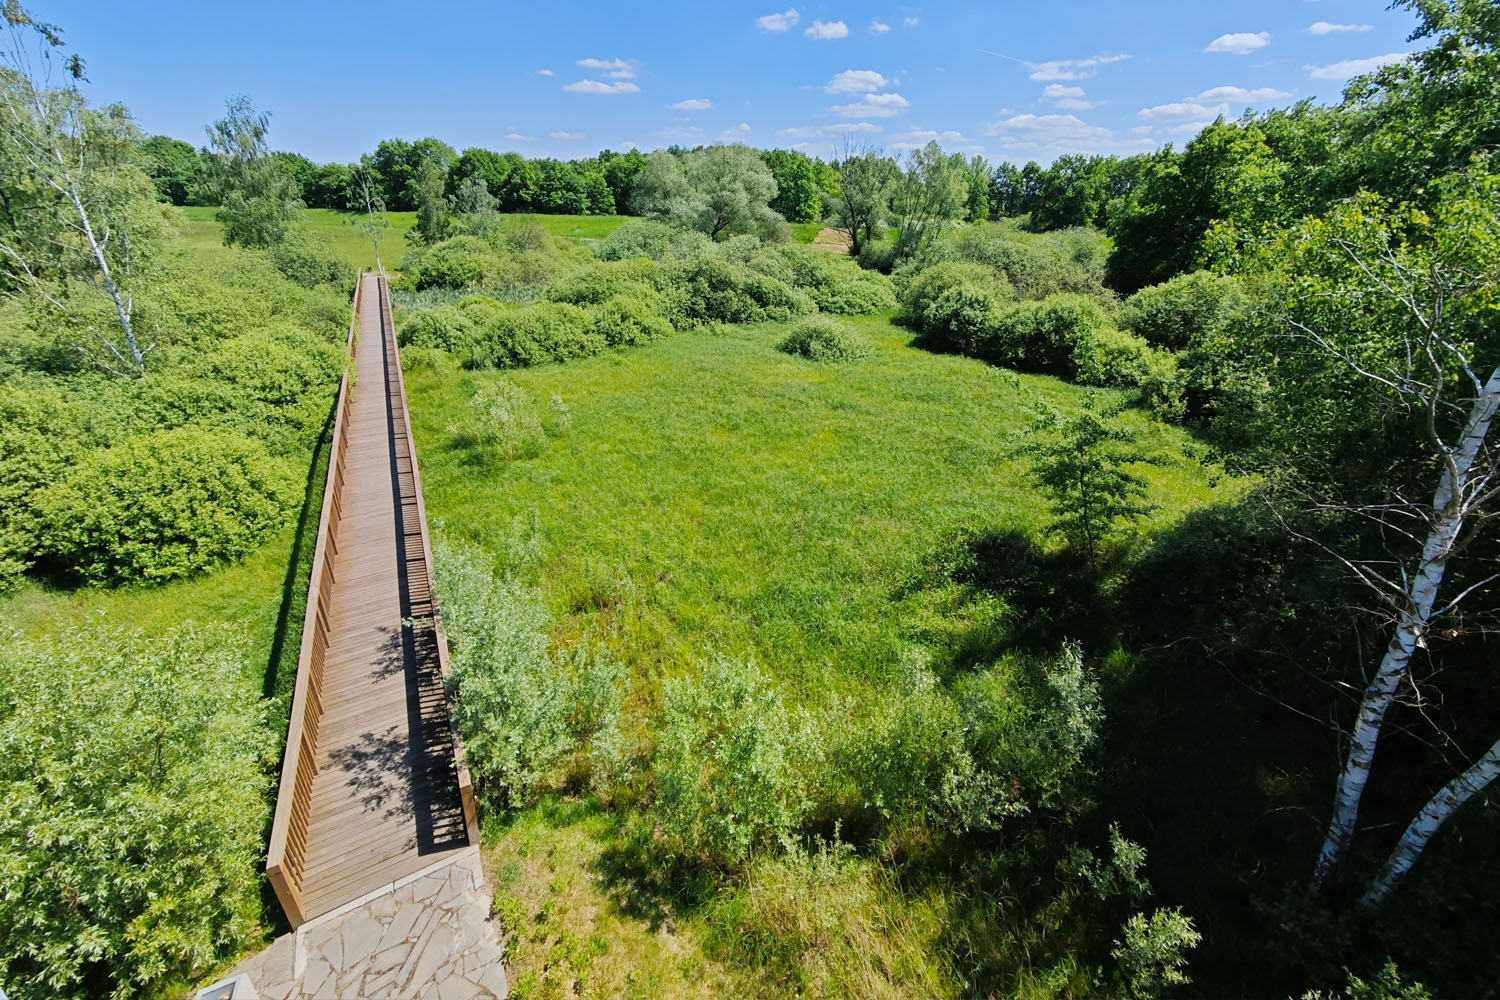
[
  {"x": 465, "y": 782},
  {"x": 288, "y": 847}
]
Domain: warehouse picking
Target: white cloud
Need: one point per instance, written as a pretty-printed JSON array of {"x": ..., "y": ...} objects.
[
  {"x": 681, "y": 132},
  {"x": 1239, "y": 95},
  {"x": 879, "y": 27},
  {"x": 925, "y": 135},
  {"x": 1050, "y": 133},
  {"x": 778, "y": 22},
  {"x": 1073, "y": 104},
  {"x": 615, "y": 69},
  {"x": 855, "y": 81},
  {"x": 873, "y": 106},
  {"x": 595, "y": 87},
  {"x": 1141, "y": 130},
  {"x": 1056, "y": 90},
  {"x": 1240, "y": 43},
  {"x": 910, "y": 22},
  {"x": 735, "y": 132},
  {"x": 1354, "y": 67},
  {"x": 1071, "y": 69},
  {"x": 1183, "y": 109},
  {"x": 518, "y": 137},
  {"x": 827, "y": 131},
  {"x": 693, "y": 104},
  {"x": 1187, "y": 128},
  {"x": 567, "y": 135},
  {"x": 825, "y": 31},
  {"x": 545, "y": 72},
  {"x": 1324, "y": 28}
]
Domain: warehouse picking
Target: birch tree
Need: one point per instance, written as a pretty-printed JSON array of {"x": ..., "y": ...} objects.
[
  {"x": 256, "y": 194},
  {"x": 79, "y": 210},
  {"x": 1386, "y": 383}
]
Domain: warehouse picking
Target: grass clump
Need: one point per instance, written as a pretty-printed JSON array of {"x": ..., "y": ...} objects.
[{"x": 822, "y": 338}]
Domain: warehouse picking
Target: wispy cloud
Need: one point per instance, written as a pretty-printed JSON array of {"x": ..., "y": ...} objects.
[
  {"x": 735, "y": 132},
  {"x": 567, "y": 135},
  {"x": 879, "y": 27},
  {"x": 518, "y": 137},
  {"x": 1325, "y": 28},
  {"x": 693, "y": 104},
  {"x": 1354, "y": 67},
  {"x": 824, "y": 30},
  {"x": 1050, "y": 133},
  {"x": 855, "y": 81},
  {"x": 909, "y": 22},
  {"x": 1068, "y": 69},
  {"x": 545, "y": 72},
  {"x": 778, "y": 22},
  {"x": 595, "y": 87},
  {"x": 1240, "y": 43},
  {"x": 1183, "y": 109},
  {"x": 681, "y": 132},
  {"x": 1240, "y": 95},
  {"x": 827, "y": 131},
  {"x": 873, "y": 106},
  {"x": 615, "y": 69}
]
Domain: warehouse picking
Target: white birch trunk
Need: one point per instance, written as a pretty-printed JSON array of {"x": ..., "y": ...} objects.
[
  {"x": 1450, "y": 510},
  {"x": 1428, "y": 822},
  {"x": 137, "y": 356}
]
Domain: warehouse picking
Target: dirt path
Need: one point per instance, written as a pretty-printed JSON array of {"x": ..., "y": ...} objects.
[{"x": 831, "y": 241}]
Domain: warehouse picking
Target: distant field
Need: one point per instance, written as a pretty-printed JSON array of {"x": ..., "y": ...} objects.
[{"x": 806, "y": 232}]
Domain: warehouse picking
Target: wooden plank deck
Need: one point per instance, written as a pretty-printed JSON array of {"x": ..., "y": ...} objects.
[{"x": 385, "y": 801}]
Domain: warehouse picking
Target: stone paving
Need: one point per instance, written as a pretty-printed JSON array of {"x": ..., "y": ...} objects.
[{"x": 426, "y": 937}]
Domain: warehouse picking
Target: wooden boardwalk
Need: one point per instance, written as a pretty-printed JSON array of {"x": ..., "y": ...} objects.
[{"x": 385, "y": 795}]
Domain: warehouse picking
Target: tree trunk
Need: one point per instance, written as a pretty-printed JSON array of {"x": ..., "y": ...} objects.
[
  {"x": 137, "y": 356},
  {"x": 1428, "y": 822},
  {"x": 1449, "y": 512}
]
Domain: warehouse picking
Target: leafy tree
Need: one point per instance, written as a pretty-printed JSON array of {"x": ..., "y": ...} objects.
[
  {"x": 432, "y": 206},
  {"x": 718, "y": 190},
  {"x": 1081, "y": 464},
  {"x": 256, "y": 195},
  {"x": 396, "y": 166},
  {"x": 620, "y": 170},
  {"x": 174, "y": 167},
  {"x": 798, "y": 195},
  {"x": 1072, "y": 192},
  {"x": 933, "y": 191},
  {"x": 328, "y": 187},
  {"x": 78, "y": 210},
  {"x": 866, "y": 180}
]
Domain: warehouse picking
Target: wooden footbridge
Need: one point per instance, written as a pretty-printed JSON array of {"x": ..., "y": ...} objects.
[{"x": 373, "y": 786}]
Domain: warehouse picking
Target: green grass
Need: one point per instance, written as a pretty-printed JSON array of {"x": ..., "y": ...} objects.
[
  {"x": 806, "y": 232},
  {"x": 201, "y": 233},
  {"x": 578, "y": 227},
  {"x": 716, "y": 495}
]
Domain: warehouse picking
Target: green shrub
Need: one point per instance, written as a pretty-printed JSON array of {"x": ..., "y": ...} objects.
[
  {"x": 919, "y": 289},
  {"x": 40, "y": 436},
  {"x": 282, "y": 377},
  {"x": 1044, "y": 336},
  {"x": 599, "y": 283},
  {"x": 731, "y": 765},
  {"x": 1111, "y": 357},
  {"x": 711, "y": 289},
  {"x": 834, "y": 285},
  {"x": 1036, "y": 265},
  {"x": 164, "y": 505},
  {"x": 444, "y": 326},
  {"x": 656, "y": 240},
  {"x": 311, "y": 260},
  {"x": 631, "y": 319},
  {"x": 460, "y": 262},
  {"x": 135, "y": 774},
  {"x": 1178, "y": 313},
  {"x": 424, "y": 359},
  {"x": 523, "y": 713},
  {"x": 502, "y": 422},
  {"x": 878, "y": 255},
  {"x": 531, "y": 335},
  {"x": 823, "y": 338},
  {"x": 964, "y": 318}
]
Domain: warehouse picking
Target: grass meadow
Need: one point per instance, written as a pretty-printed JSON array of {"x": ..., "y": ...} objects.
[{"x": 716, "y": 496}]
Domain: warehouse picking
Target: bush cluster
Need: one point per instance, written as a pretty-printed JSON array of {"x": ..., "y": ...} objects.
[
  {"x": 136, "y": 786},
  {"x": 311, "y": 261},
  {"x": 822, "y": 338}
]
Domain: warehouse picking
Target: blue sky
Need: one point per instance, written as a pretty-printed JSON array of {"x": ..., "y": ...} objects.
[{"x": 1009, "y": 80}]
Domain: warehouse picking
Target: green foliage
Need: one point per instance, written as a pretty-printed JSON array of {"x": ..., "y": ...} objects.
[
  {"x": 1150, "y": 957},
  {"x": 731, "y": 764},
  {"x": 1035, "y": 265},
  {"x": 599, "y": 283},
  {"x": 1110, "y": 357},
  {"x": 866, "y": 182},
  {"x": 721, "y": 191},
  {"x": 822, "y": 338},
  {"x": 163, "y": 505},
  {"x": 135, "y": 776},
  {"x": 529, "y": 335},
  {"x": 878, "y": 255},
  {"x": 432, "y": 204},
  {"x": 39, "y": 438},
  {"x": 279, "y": 377},
  {"x": 712, "y": 289},
  {"x": 1083, "y": 470},
  {"x": 502, "y": 422},
  {"x": 257, "y": 198},
  {"x": 174, "y": 167},
  {"x": 523, "y": 712},
  {"x": 311, "y": 260},
  {"x": 1187, "y": 309},
  {"x": 442, "y": 326},
  {"x": 799, "y": 198},
  {"x": 1387, "y": 985},
  {"x": 460, "y": 262},
  {"x": 1048, "y": 336},
  {"x": 835, "y": 286},
  {"x": 919, "y": 290},
  {"x": 626, "y": 320},
  {"x": 650, "y": 238}
]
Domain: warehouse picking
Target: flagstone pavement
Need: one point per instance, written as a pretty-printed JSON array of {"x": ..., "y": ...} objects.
[{"x": 426, "y": 937}]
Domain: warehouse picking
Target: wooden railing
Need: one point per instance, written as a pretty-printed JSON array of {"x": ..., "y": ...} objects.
[
  {"x": 288, "y": 848},
  {"x": 465, "y": 782}
]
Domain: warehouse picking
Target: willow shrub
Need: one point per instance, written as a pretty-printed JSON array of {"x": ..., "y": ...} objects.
[
  {"x": 823, "y": 338},
  {"x": 135, "y": 776},
  {"x": 165, "y": 505}
]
